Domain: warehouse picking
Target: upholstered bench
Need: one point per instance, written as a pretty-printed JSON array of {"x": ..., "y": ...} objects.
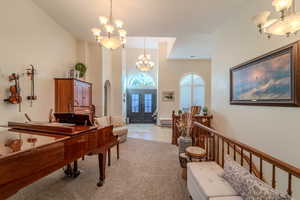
[
  {"x": 208, "y": 181},
  {"x": 205, "y": 181}
]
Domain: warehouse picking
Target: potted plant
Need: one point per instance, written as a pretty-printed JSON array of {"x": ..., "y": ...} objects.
[
  {"x": 205, "y": 110},
  {"x": 81, "y": 68}
]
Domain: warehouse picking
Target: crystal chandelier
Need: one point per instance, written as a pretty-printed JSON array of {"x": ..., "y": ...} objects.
[
  {"x": 144, "y": 62},
  {"x": 287, "y": 24},
  {"x": 111, "y": 35}
]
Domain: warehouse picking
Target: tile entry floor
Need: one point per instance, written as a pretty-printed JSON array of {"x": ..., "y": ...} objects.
[{"x": 150, "y": 132}]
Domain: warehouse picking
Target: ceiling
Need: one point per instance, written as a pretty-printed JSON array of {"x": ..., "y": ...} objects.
[{"x": 191, "y": 22}]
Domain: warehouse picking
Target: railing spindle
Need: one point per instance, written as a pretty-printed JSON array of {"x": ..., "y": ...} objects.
[
  {"x": 206, "y": 147},
  {"x": 250, "y": 165},
  {"x": 261, "y": 168},
  {"x": 223, "y": 153},
  {"x": 214, "y": 151},
  {"x": 228, "y": 150},
  {"x": 289, "y": 191},
  {"x": 218, "y": 150},
  {"x": 242, "y": 156},
  {"x": 234, "y": 152},
  {"x": 274, "y": 177}
]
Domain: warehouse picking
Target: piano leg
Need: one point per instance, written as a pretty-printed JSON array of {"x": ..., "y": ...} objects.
[
  {"x": 68, "y": 171},
  {"x": 102, "y": 163},
  {"x": 76, "y": 172},
  {"x": 109, "y": 154}
]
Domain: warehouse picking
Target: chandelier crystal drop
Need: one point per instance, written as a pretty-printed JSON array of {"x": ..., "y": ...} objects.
[
  {"x": 111, "y": 35},
  {"x": 287, "y": 24},
  {"x": 144, "y": 62}
]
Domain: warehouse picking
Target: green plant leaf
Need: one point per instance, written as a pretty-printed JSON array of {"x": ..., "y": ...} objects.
[{"x": 81, "y": 68}]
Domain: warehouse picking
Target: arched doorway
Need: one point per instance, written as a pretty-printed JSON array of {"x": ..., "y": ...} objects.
[
  {"x": 141, "y": 98},
  {"x": 107, "y": 92}
]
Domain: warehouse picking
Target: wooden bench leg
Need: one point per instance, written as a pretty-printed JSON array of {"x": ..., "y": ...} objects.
[
  {"x": 118, "y": 151},
  {"x": 109, "y": 154}
]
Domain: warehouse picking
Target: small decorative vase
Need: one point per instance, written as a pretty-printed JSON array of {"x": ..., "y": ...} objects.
[{"x": 183, "y": 143}]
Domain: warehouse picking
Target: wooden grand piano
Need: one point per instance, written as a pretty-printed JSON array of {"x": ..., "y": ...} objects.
[{"x": 30, "y": 151}]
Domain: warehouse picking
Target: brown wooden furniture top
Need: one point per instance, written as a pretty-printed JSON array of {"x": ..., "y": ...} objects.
[
  {"x": 15, "y": 141},
  {"x": 75, "y": 79},
  {"x": 197, "y": 116},
  {"x": 28, "y": 155},
  {"x": 57, "y": 128}
]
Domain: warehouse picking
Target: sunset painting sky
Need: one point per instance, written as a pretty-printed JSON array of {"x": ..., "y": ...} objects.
[{"x": 267, "y": 80}]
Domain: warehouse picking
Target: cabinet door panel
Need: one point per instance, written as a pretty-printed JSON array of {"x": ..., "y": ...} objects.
[
  {"x": 86, "y": 95},
  {"x": 78, "y": 94}
]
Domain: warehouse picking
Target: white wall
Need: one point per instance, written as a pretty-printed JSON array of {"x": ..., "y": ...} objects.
[
  {"x": 275, "y": 130},
  {"x": 169, "y": 76},
  {"x": 112, "y": 71},
  {"x": 117, "y": 89},
  {"x": 94, "y": 75},
  {"x": 29, "y": 36}
]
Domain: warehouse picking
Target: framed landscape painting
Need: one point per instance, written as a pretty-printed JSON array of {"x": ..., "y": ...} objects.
[{"x": 270, "y": 80}]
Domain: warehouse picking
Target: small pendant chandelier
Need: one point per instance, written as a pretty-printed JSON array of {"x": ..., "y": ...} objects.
[
  {"x": 144, "y": 62},
  {"x": 113, "y": 35},
  {"x": 287, "y": 24}
]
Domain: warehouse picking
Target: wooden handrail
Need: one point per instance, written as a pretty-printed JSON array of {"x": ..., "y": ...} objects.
[{"x": 280, "y": 164}]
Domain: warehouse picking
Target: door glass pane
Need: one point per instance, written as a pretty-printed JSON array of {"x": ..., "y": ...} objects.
[
  {"x": 135, "y": 98},
  {"x": 148, "y": 103}
]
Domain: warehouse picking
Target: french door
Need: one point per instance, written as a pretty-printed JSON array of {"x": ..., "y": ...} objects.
[{"x": 141, "y": 104}]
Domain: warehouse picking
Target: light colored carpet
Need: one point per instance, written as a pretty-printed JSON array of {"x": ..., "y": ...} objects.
[{"x": 147, "y": 170}]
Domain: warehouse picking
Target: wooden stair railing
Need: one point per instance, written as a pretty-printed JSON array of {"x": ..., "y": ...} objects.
[
  {"x": 218, "y": 140},
  {"x": 198, "y": 118},
  {"x": 255, "y": 171},
  {"x": 204, "y": 140}
]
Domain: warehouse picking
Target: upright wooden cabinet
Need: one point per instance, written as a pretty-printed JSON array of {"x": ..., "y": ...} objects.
[{"x": 73, "y": 96}]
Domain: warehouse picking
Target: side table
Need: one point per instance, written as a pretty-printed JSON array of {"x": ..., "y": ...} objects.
[{"x": 194, "y": 152}]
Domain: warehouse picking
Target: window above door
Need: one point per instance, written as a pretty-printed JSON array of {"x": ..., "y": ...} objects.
[{"x": 141, "y": 81}]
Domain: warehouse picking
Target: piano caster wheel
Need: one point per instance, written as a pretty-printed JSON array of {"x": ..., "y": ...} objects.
[
  {"x": 75, "y": 174},
  {"x": 100, "y": 183}
]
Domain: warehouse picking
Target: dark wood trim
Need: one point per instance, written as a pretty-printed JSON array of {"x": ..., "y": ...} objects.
[{"x": 295, "y": 82}]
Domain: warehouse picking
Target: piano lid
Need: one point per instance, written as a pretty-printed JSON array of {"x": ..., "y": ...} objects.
[
  {"x": 13, "y": 141},
  {"x": 53, "y": 128}
]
